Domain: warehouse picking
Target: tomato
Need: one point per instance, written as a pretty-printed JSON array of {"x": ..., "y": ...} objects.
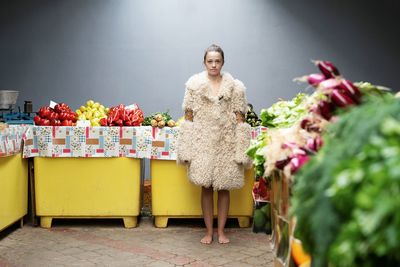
[
  {"x": 45, "y": 111},
  {"x": 45, "y": 122},
  {"x": 37, "y": 120}
]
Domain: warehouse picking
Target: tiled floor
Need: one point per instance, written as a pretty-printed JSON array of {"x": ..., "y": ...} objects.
[{"x": 107, "y": 243}]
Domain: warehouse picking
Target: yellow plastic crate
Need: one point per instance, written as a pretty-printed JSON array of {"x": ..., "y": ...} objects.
[
  {"x": 173, "y": 196},
  {"x": 87, "y": 188},
  {"x": 13, "y": 189}
]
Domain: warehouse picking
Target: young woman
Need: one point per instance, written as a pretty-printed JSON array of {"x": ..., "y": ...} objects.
[{"x": 213, "y": 139}]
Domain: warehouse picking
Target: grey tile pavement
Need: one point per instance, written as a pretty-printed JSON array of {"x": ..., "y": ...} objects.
[{"x": 107, "y": 243}]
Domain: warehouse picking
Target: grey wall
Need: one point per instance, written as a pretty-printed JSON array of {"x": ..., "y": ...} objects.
[{"x": 125, "y": 51}]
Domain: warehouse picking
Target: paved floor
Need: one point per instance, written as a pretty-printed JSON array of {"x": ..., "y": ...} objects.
[{"x": 107, "y": 243}]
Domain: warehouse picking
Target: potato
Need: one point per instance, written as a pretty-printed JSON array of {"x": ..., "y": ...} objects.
[
  {"x": 158, "y": 117},
  {"x": 154, "y": 123},
  {"x": 161, "y": 124},
  {"x": 171, "y": 123}
]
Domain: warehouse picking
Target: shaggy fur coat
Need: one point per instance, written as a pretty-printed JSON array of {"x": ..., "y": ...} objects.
[{"x": 213, "y": 145}]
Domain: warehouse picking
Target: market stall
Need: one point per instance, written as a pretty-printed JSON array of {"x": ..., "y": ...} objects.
[
  {"x": 82, "y": 172},
  {"x": 87, "y": 172},
  {"x": 13, "y": 178},
  {"x": 331, "y": 158}
]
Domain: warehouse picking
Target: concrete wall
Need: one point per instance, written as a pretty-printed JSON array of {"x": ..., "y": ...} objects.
[{"x": 126, "y": 51}]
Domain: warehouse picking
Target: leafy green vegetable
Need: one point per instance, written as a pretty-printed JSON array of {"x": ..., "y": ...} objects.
[
  {"x": 283, "y": 114},
  {"x": 255, "y": 152},
  {"x": 346, "y": 199}
]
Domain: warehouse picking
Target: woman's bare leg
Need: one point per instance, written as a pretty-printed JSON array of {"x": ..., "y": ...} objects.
[
  {"x": 207, "y": 203},
  {"x": 223, "y": 209}
]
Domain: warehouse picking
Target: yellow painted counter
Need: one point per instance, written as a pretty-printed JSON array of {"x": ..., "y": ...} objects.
[
  {"x": 173, "y": 196},
  {"x": 13, "y": 189},
  {"x": 87, "y": 188}
]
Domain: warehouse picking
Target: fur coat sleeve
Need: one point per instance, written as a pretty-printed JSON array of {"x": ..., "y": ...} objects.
[
  {"x": 243, "y": 130},
  {"x": 185, "y": 146}
]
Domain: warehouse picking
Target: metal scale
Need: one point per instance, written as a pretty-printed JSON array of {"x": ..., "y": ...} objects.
[{"x": 8, "y": 100}]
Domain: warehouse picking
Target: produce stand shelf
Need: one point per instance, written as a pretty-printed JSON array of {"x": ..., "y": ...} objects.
[
  {"x": 173, "y": 196},
  {"x": 13, "y": 190},
  {"x": 87, "y": 188}
]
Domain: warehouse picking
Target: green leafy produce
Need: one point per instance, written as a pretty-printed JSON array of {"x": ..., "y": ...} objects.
[
  {"x": 255, "y": 153},
  {"x": 158, "y": 116},
  {"x": 347, "y": 198},
  {"x": 283, "y": 114},
  {"x": 371, "y": 89}
]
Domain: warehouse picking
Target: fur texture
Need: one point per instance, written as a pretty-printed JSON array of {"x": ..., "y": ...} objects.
[{"x": 213, "y": 145}]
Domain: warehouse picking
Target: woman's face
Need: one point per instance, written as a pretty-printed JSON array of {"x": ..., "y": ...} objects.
[{"x": 214, "y": 63}]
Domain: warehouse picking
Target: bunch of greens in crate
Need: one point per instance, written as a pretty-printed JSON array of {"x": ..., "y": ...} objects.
[{"x": 347, "y": 198}]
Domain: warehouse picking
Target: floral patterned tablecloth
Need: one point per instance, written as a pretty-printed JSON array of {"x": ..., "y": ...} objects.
[
  {"x": 11, "y": 139},
  {"x": 134, "y": 142}
]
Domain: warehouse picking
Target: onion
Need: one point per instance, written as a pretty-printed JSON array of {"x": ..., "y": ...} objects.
[
  {"x": 315, "y": 79},
  {"x": 319, "y": 142},
  {"x": 297, "y": 162},
  {"x": 314, "y": 144},
  {"x": 327, "y": 68},
  {"x": 350, "y": 89},
  {"x": 329, "y": 84},
  {"x": 280, "y": 164},
  {"x": 341, "y": 99},
  {"x": 304, "y": 124},
  {"x": 325, "y": 109}
]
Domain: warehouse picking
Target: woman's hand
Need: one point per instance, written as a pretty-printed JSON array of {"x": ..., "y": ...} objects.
[
  {"x": 239, "y": 117},
  {"x": 189, "y": 115}
]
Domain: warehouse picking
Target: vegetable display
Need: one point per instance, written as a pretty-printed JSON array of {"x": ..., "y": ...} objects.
[
  {"x": 122, "y": 115},
  {"x": 295, "y": 126},
  {"x": 346, "y": 199},
  {"x": 284, "y": 114},
  {"x": 159, "y": 119},
  {"x": 61, "y": 115}
]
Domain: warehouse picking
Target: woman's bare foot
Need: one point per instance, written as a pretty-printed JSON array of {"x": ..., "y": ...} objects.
[
  {"x": 222, "y": 239},
  {"x": 207, "y": 239}
]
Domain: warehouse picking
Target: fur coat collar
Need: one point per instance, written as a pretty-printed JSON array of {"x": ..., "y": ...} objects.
[{"x": 202, "y": 83}]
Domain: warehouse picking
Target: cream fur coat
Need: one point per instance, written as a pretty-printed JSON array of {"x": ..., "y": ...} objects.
[{"x": 213, "y": 145}]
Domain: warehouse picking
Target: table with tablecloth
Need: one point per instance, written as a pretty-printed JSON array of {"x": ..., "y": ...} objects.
[
  {"x": 13, "y": 176},
  {"x": 95, "y": 172}
]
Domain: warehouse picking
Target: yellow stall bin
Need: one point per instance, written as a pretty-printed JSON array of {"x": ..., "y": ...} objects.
[
  {"x": 87, "y": 188},
  {"x": 13, "y": 189},
  {"x": 173, "y": 196}
]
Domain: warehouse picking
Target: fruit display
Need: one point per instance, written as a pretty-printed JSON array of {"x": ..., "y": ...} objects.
[
  {"x": 93, "y": 111},
  {"x": 159, "y": 119},
  {"x": 251, "y": 117},
  {"x": 122, "y": 115},
  {"x": 60, "y": 115}
]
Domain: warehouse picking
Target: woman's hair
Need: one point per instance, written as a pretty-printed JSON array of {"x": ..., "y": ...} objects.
[{"x": 214, "y": 48}]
